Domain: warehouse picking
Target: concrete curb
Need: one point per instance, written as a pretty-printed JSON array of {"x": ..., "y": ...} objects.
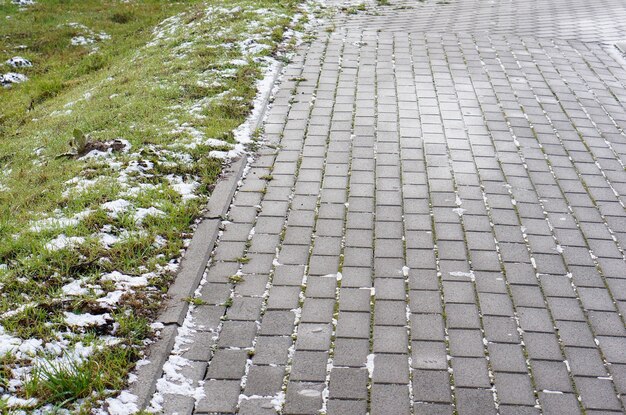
[{"x": 192, "y": 267}]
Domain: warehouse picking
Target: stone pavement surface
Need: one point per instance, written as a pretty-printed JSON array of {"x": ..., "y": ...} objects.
[{"x": 461, "y": 164}]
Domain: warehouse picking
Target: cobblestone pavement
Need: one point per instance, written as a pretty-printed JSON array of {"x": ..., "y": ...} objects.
[{"x": 461, "y": 164}]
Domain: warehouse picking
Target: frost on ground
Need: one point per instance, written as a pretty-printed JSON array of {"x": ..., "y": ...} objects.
[{"x": 92, "y": 272}]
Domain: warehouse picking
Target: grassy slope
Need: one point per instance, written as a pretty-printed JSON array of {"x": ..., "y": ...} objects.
[{"x": 166, "y": 99}]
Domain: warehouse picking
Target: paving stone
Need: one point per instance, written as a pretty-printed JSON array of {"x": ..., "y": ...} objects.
[
  {"x": 500, "y": 329},
  {"x": 425, "y": 326},
  {"x": 467, "y": 343},
  {"x": 429, "y": 355},
  {"x": 237, "y": 334},
  {"x": 462, "y": 316},
  {"x": 309, "y": 366},
  {"x": 470, "y": 372},
  {"x": 227, "y": 364},
  {"x": 346, "y": 407},
  {"x": 351, "y": 352},
  {"x": 245, "y": 308},
  {"x": 585, "y": 362},
  {"x": 388, "y": 339},
  {"x": 280, "y": 323},
  {"x": 431, "y": 386},
  {"x": 283, "y": 298},
  {"x": 514, "y": 389},
  {"x": 354, "y": 299},
  {"x": 271, "y": 350},
  {"x": 613, "y": 348},
  {"x": 219, "y": 396},
  {"x": 317, "y": 310},
  {"x": 535, "y": 319},
  {"x": 390, "y": 313},
  {"x": 597, "y": 393},
  {"x": 474, "y": 401},
  {"x": 387, "y": 399},
  {"x": 554, "y": 403},
  {"x": 353, "y": 325},
  {"x": 208, "y": 317},
  {"x": 391, "y": 368},
  {"x": 314, "y": 337},
  {"x": 542, "y": 346},
  {"x": 303, "y": 398},
  {"x": 264, "y": 380},
  {"x": 552, "y": 376},
  {"x": 518, "y": 410},
  {"x": 507, "y": 357},
  {"x": 257, "y": 406},
  {"x": 495, "y": 304},
  {"x": 348, "y": 383},
  {"x": 321, "y": 287},
  {"x": 410, "y": 114}
]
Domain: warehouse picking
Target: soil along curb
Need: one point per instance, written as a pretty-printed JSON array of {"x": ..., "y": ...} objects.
[{"x": 197, "y": 256}]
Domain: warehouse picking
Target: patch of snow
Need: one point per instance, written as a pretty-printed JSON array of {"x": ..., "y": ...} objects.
[
  {"x": 370, "y": 364},
  {"x": 75, "y": 289},
  {"x": 116, "y": 207},
  {"x": 15, "y": 402},
  {"x": 111, "y": 299},
  {"x": 64, "y": 242},
  {"x": 469, "y": 274},
  {"x": 86, "y": 319},
  {"x": 141, "y": 213},
  {"x": 11, "y": 78},
  {"x": 124, "y": 404},
  {"x": 19, "y": 62},
  {"x": 123, "y": 281},
  {"x": 82, "y": 41},
  {"x": 58, "y": 222}
]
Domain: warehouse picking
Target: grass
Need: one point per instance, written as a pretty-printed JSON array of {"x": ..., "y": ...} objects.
[
  {"x": 63, "y": 382},
  {"x": 158, "y": 92}
]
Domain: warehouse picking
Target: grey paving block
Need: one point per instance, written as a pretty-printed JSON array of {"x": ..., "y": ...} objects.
[
  {"x": 431, "y": 386},
  {"x": 470, "y": 372},
  {"x": 353, "y": 325},
  {"x": 271, "y": 350},
  {"x": 551, "y": 376},
  {"x": 597, "y": 393},
  {"x": 348, "y": 383},
  {"x": 554, "y": 403},
  {"x": 390, "y": 368},
  {"x": 388, "y": 339},
  {"x": 227, "y": 364},
  {"x": 387, "y": 399},
  {"x": 351, "y": 352},
  {"x": 264, "y": 380},
  {"x": 237, "y": 334},
  {"x": 475, "y": 401},
  {"x": 303, "y": 398},
  {"x": 346, "y": 407},
  {"x": 314, "y": 336},
  {"x": 515, "y": 389},
  {"x": 429, "y": 355},
  {"x": 507, "y": 357},
  {"x": 219, "y": 396}
]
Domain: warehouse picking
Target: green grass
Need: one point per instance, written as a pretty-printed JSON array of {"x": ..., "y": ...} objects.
[
  {"x": 63, "y": 383},
  {"x": 174, "y": 98}
]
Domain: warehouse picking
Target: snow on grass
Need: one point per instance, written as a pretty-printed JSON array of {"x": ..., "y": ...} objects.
[
  {"x": 10, "y": 78},
  {"x": 104, "y": 254},
  {"x": 19, "y": 62},
  {"x": 86, "y": 320}
]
